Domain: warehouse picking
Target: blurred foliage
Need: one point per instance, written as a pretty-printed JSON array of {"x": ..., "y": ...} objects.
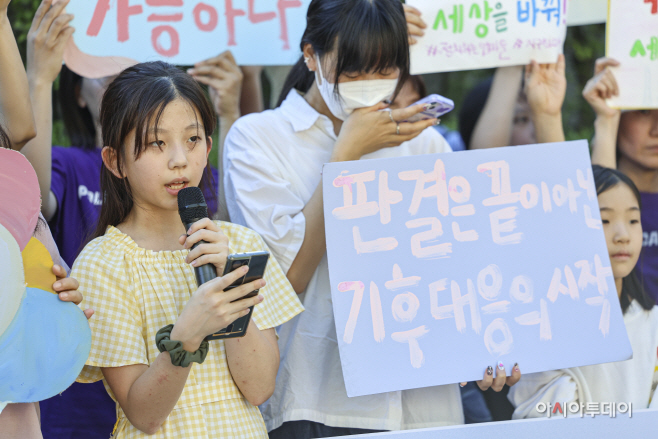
[{"x": 584, "y": 44}]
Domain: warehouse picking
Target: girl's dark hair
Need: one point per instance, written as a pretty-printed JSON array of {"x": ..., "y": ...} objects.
[
  {"x": 632, "y": 289},
  {"x": 418, "y": 84},
  {"x": 78, "y": 121},
  {"x": 367, "y": 35},
  {"x": 135, "y": 100}
]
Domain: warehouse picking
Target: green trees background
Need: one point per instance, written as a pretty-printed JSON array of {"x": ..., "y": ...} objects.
[{"x": 584, "y": 44}]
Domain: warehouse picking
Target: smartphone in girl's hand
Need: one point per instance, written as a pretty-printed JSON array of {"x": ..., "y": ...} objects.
[{"x": 438, "y": 107}]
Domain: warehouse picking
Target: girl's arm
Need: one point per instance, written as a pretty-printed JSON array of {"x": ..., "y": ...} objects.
[
  {"x": 545, "y": 87},
  {"x": 601, "y": 87},
  {"x": 254, "y": 361},
  {"x": 148, "y": 394},
  {"x": 494, "y": 126},
  {"x": 15, "y": 109},
  {"x": 45, "y": 51},
  {"x": 380, "y": 132}
]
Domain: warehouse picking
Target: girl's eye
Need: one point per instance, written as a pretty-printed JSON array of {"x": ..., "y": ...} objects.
[
  {"x": 635, "y": 221},
  {"x": 157, "y": 144},
  {"x": 604, "y": 221},
  {"x": 195, "y": 139}
]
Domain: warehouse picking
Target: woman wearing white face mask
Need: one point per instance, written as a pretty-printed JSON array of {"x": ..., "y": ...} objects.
[{"x": 355, "y": 55}]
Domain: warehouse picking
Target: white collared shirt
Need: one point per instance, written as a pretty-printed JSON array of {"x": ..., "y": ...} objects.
[{"x": 272, "y": 165}]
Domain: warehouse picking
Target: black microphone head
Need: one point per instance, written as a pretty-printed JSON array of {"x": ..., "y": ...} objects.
[{"x": 191, "y": 205}]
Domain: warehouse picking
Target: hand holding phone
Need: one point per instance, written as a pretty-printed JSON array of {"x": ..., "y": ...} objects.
[
  {"x": 257, "y": 262},
  {"x": 439, "y": 106}
]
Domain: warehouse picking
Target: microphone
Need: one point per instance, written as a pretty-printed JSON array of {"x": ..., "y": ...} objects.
[{"x": 192, "y": 207}]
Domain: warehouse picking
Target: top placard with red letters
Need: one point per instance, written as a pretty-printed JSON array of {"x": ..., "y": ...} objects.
[{"x": 184, "y": 32}]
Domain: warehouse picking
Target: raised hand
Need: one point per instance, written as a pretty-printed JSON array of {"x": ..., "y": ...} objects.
[
  {"x": 546, "y": 86},
  {"x": 601, "y": 87},
  {"x": 224, "y": 80},
  {"x": 415, "y": 24},
  {"x": 46, "y": 41}
]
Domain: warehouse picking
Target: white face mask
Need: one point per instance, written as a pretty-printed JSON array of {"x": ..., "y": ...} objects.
[{"x": 354, "y": 94}]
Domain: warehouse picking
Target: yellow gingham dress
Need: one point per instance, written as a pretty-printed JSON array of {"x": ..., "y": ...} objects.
[{"x": 134, "y": 293}]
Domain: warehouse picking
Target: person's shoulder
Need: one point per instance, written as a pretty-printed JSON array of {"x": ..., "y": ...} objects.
[
  {"x": 242, "y": 239},
  {"x": 106, "y": 250},
  {"x": 257, "y": 121}
]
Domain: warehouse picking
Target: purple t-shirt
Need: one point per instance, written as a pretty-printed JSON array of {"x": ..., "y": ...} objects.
[
  {"x": 648, "y": 264},
  {"x": 83, "y": 410}
]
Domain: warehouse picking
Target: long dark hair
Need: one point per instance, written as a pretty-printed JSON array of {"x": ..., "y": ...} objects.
[
  {"x": 4, "y": 139},
  {"x": 632, "y": 289},
  {"x": 78, "y": 121},
  {"x": 368, "y": 35},
  {"x": 133, "y": 101}
]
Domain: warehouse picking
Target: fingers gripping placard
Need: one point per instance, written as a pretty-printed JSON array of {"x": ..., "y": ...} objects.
[{"x": 444, "y": 264}]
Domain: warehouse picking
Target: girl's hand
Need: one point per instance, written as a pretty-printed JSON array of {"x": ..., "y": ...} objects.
[
  {"x": 211, "y": 308},
  {"x": 601, "y": 87},
  {"x": 546, "y": 86},
  {"x": 224, "y": 80},
  {"x": 67, "y": 289},
  {"x": 213, "y": 251},
  {"x": 500, "y": 380},
  {"x": 369, "y": 129},
  {"x": 415, "y": 24},
  {"x": 46, "y": 41}
]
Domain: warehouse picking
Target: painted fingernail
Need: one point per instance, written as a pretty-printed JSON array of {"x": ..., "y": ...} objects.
[
  {"x": 516, "y": 367},
  {"x": 244, "y": 268},
  {"x": 260, "y": 298},
  {"x": 194, "y": 263},
  {"x": 262, "y": 282},
  {"x": 64, "y": 296},
  {"x": 501, "y": 366},
  {"x": 489, "y": 370},
  {"x": 436, "y": 122},
  {"x": 427, "y": 106},
  {"x": 57, "y": 285}
]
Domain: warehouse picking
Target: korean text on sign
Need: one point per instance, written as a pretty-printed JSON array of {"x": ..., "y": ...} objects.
[
  {"x": 443, "y": 264},
  {"x": 478, "y": 34},
  {"x": 187, "y": 31}
]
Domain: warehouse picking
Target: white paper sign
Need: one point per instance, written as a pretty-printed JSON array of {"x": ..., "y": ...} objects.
[
  {"x": 587, "y": 12},
  {"x": 443, "y": 264},
  {"x": 633, "y": 41},
  {"x": 470, "y": 34}
]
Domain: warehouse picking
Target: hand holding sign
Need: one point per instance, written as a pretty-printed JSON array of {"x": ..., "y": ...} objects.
[
  {"x": 601, "y": 87},
  {"x": 224, "y": 80},
  {"x": 415, "y": 23},
  {"x": 46, "y": 41}
]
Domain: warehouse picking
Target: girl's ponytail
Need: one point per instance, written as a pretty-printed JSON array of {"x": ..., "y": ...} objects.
[{"x": 300, "y": 78}]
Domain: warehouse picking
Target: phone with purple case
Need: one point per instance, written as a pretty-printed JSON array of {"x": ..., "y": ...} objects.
[{"x": 438, "y": 107}]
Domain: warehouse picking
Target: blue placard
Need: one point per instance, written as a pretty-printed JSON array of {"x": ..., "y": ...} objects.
[{"x": 443, "y": 264}]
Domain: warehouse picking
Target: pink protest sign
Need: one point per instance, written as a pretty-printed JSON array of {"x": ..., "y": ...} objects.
[{"x": 111, "y": 35}]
